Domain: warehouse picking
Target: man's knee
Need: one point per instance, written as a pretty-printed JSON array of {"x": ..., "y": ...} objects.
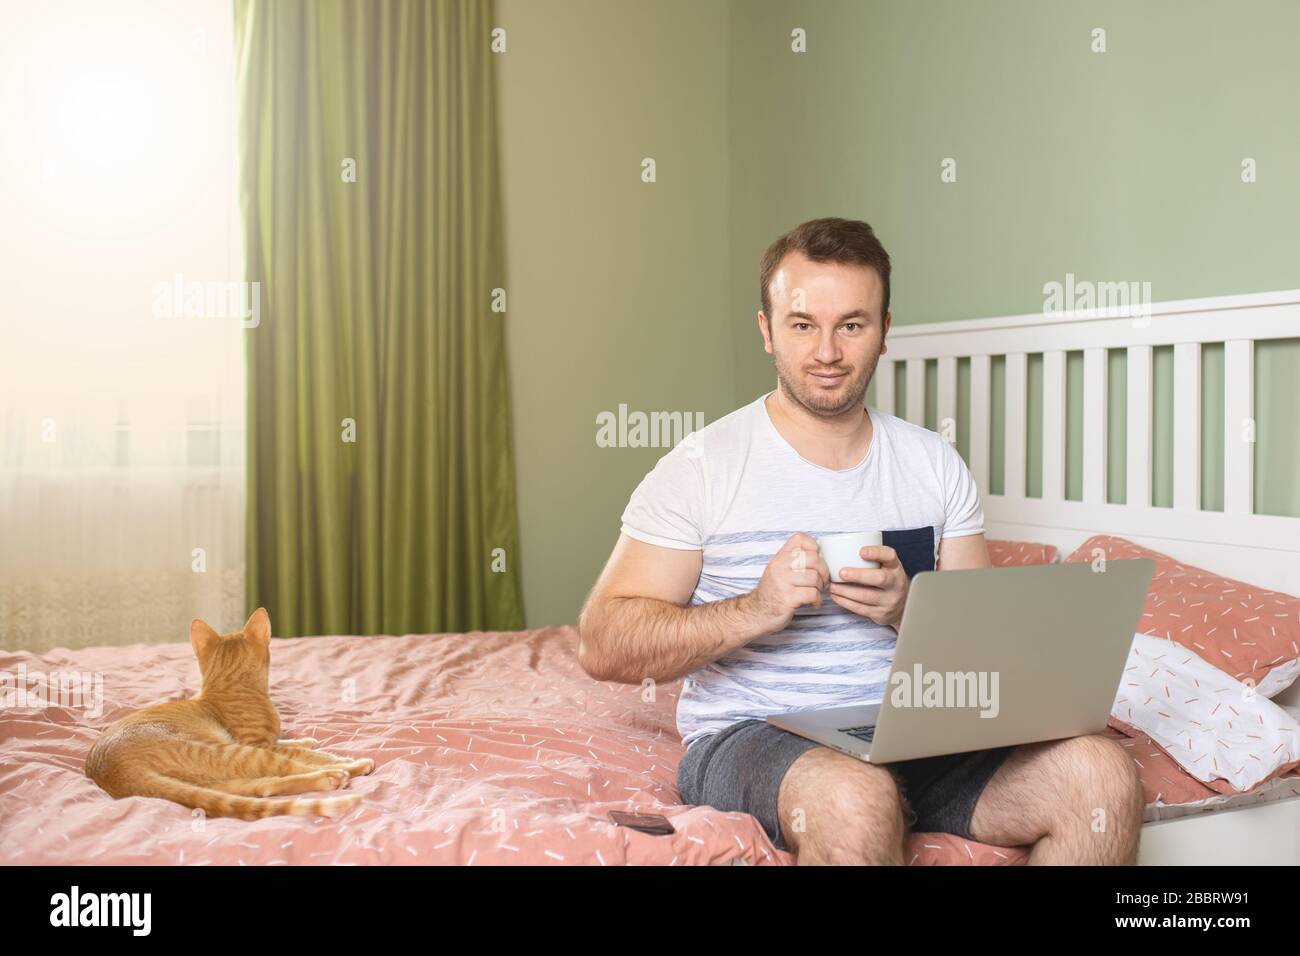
[
  {"x": 836, "y": 809},
  {"x": 1105, "y": 777}
]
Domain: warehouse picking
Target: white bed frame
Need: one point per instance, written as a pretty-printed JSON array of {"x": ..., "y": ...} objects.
[{"x": 1261, "y": 549}]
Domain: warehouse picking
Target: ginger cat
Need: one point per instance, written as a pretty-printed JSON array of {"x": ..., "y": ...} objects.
[{"x": 218, "y": 751}]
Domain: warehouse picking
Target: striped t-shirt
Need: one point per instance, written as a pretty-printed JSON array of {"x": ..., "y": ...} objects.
[{"x": 737, "y": 490}]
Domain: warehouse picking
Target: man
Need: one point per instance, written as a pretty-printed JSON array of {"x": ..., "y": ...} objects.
[{"x": 716, "y": 577}]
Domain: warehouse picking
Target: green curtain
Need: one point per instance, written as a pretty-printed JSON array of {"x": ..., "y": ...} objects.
[{"x": 376, "y": 310}]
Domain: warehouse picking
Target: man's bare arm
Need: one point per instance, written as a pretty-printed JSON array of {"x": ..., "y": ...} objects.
[
  {"x": 635, "y": 623},
  {"x": 968, "y": 551}
]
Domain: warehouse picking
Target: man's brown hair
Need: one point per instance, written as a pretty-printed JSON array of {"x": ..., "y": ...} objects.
[{"x": 849, "y": 241}]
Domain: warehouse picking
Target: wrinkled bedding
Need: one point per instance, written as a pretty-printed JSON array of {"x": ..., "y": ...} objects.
[{"x": 490, "y": 748}]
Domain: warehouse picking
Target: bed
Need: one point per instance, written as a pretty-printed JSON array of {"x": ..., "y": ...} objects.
[
  {"x": 496, "y": 748},
  {"x": 490, "y": 748},
  {"x": 1259, "y": 827}
]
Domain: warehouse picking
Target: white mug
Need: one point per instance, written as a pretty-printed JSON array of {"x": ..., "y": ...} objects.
[{"x": 841, "y": 551}]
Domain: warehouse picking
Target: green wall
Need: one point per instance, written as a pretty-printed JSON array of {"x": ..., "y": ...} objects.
[
  {"x": 617, "y": 288},
  {"x": 1114, "y": 166}
]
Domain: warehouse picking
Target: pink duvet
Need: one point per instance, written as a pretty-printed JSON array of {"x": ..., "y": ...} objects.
[{"x": 490, "y": 748}]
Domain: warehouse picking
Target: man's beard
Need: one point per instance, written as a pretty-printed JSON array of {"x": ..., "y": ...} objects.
[{"x": 848, "y": 393}]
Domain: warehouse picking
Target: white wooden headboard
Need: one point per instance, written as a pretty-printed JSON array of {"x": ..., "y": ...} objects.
[{"x": 1262, "y": 549}]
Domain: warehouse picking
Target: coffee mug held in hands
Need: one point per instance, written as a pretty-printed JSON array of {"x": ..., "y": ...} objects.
[{"x": 841, "y": 551}]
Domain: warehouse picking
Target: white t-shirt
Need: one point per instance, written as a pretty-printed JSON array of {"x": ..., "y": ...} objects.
[{"x": 737, "y": 491}]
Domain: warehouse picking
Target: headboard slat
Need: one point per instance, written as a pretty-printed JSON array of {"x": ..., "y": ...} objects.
[
  {"x": 1187, "y": 426},
  {"x": 979, "y": 422},
  {"x": 916, "y": 391},
  {"x": 1054, "y": 425},
  {"x": 947, "y": 411},
  {"x": 1094, "y": 425},
  {"x": 884, "y": 379},
  {"x": 1238, "y": 426},
  {"x": 1016, "y": 430},
  {"x": 1139, "y": 415}
]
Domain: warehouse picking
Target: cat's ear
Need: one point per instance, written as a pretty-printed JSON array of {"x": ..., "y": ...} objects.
[
  {"x": 258, "y": 626},
  {"x": 201, "y": 637}
]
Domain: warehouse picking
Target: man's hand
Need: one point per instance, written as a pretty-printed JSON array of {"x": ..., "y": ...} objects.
[
  {"x": 796, "y": 576},
  {"x": 879, "y": 594}
]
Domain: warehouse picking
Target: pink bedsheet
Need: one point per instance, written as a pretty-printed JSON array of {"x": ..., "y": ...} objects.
[{"x": 490, "y": 748}]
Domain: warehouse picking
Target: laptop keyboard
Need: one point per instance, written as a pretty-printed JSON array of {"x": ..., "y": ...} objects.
[{"x": 865, "y": 734}]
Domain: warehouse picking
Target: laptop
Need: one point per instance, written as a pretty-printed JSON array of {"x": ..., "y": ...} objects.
[{"x": 989, "y": 657}]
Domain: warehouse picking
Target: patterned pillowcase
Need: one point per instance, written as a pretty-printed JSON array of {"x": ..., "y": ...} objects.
[
  {"x": 1011, "y": 554},
  {"x": 1247, "y": 631},
  {"x": 1216, "y": 728}
]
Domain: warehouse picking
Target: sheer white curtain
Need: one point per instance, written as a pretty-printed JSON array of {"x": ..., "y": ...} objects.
[{"x": 121, "y": 403}]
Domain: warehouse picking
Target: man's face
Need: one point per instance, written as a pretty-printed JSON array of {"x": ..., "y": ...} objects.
[{"x": 826, "y": 332}]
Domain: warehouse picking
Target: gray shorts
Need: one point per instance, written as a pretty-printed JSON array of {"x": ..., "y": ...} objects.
[{"x": 741, "y": 768}]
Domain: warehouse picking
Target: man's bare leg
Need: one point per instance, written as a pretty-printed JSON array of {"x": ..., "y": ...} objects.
[
  {"x": 1079, "y": 801},
  {"x": 835, "y": 809}
]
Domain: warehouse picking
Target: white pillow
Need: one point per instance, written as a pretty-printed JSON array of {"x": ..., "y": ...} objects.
[{"x": 1227, "y": 735}]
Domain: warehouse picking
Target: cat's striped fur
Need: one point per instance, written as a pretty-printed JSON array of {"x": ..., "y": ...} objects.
[{"x": 219, "y": 751}]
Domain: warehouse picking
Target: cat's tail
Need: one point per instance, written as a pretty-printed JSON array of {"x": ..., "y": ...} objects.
[{"x": 218, "y": 803}]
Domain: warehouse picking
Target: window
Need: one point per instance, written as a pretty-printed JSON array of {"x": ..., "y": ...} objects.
[{"x": 121, "y": 405}]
